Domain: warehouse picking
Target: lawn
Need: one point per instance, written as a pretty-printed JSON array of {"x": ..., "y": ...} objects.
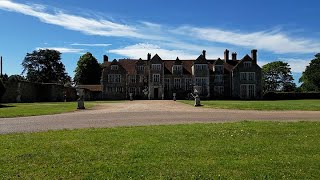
[
  {"x": 304, "y": 105},
  {"x": 242, "y": 150},
  {"x": 33, "y": 109}
]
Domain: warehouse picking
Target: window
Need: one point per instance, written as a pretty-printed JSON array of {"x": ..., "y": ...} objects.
[
  {"x": 244, "y": 76},
  {"x": 132, "y": 79},
  {"x": 141, "y": 79},
  {"x": 167, "y": 84},
  {"x": 219, "y": 90},
  {"x": 156, "y": 78},
  {"x": 177, "y": 69},
  {"x": 247, "y": 91},
  {"x": 177, "y": 83},
  {"x": 114, "y": 78},
  {"x": 188, "y": 84},
  {"x": 114, "y": 67},
  {"x": 156, "y": 67},
  {"x": 218, "y": 68},
  {"x": 218, "y": 78},
  {"x": 132, "y": 90},
  {"x": 119, "y": 89},
  {"x": 247, "y": 64},
  {"x": 251, "y": 76},
  {"x": 140, "y": 68},
  {"x": 201, "y": 81},
  {"x": 201, "y": 67}
]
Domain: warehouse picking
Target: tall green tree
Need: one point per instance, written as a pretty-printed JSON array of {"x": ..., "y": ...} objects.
[
  {"x": 2, "y": 89},
  {"x": 311, "y": 76},
  {"x": 45, "y": 66},
  {"x": 277, "y": 76},
  {"x": 88, "y": 70}
]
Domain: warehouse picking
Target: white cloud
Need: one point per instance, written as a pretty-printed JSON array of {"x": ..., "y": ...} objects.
[
  {"x": 273, "y": 41},
  {"x": 90, "y": 45},
  {"x": 64, "y": 50},
  {"x": 140, "y": 51},
  {"x": 296, "y": 65},
  {"x": 179, "y": 37}
]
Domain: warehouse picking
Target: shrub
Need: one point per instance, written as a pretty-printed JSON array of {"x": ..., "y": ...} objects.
[
  {"x": 2, "y": 89},
  {"x": 291, "y": 95}
]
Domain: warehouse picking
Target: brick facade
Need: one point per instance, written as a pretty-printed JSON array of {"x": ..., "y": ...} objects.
[{"x": 155, "y": 78}]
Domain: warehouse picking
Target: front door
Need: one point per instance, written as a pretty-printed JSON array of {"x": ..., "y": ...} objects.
[{"x": 155, "y": 93}]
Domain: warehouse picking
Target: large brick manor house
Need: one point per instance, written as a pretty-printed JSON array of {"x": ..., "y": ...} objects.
[{"x": 155, "y": 78}]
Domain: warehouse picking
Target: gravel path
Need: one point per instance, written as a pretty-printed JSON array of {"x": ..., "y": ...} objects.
[{"x": 138, "y": 113}]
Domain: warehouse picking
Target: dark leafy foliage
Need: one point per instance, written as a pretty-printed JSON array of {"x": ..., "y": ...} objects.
[
  {"x": 311, "y": 76},
  {"x": 45, "y": 66},
  {"x": 2, "y": 89},
  {"x": 88, "y": 70},
  {"x": 277, "y": 76}
]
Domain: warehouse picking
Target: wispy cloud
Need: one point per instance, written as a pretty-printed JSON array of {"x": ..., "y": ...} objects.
[
  {"x": 274, "y": 41},
  {"x": 64, "y": 50},
  {"x": 139, "y": 51},
  {"x": 90, "y": 45},
  {"x": 169, "y": 36}
]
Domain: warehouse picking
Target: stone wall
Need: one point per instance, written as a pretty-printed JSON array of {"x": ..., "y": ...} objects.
[{"x": 23, "y": 91}]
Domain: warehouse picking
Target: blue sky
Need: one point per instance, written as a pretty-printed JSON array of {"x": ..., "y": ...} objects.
[{"x": 281, "y": 30}]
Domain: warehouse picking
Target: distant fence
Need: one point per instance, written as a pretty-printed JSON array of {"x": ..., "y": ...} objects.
[
  {"x": 291, "y": 95},
  {"x": 24, "y": 91}
]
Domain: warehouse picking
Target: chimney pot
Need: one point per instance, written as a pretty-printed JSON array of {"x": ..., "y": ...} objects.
[
  {"x": 234, "y": 56},
  {"x": 149, "y": 56},
  {"x": 254, "y": 55},
  {"x": 204, "y": 53},
  {"x": 105, "y": 58},
  {"x": 226, "y": 55}
]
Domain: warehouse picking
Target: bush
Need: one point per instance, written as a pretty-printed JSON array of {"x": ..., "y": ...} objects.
[
  {"x": 2, "y": 89},
  {"x": 291, "y": 95}
]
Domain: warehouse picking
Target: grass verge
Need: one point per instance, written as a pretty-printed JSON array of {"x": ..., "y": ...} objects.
[
  {"x": 34, "y": 109},
  {"x": 303, "y": 105},
  {"x": 242, "y": 150}
]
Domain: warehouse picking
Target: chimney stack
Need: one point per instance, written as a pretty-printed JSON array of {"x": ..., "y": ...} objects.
[
  {"x": 105, "y": 58},
  {"x": 234, "y": 56},
  {"x": 226, "y": 55},
  {"x": 149, "y": 57},
  {"x": 1, "y": 66},
  {"x": 204, "y": 53},
  {"x": 254, "y": 55}
]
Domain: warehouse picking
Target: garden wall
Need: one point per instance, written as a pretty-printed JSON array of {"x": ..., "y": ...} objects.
[{"x": 23, "y": 91}]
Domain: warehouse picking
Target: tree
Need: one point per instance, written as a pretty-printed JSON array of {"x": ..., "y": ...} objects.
[
  {"x": 2, "y": 89},
  {"x": 45, "y": 66},
  {"x": 311, "y": 76},
  {"x": 277, "y": 76},
  {"x": 16, "y": 77},
  {"x": 88, "y": 70}
]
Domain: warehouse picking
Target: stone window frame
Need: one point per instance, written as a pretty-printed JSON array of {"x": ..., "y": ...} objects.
[
  {"x": 177, "y": 69},
  {"x": 188, "y": 83},
  {"x": 114, "y": 67},
  {"x": 156, "y": 67},
  {"x": 132, "y": 79},
  {"x": 250, "y": 90},
  {"x": 140, "y": 68},
  {"x": 219, "y": 68},
  {"x": 156, "y": 78},
  {"x": 177, "y": 83},
  {"x": 132, "y": 90},
  {"x": 247, "y": 64},
  {"x": 201, "y": 67},
  {"x": 114, "y": 78},
  {"x": 219, "y": 90},
  {"x": 166, "y": 83},
  {"x": 218, "y": 78}
]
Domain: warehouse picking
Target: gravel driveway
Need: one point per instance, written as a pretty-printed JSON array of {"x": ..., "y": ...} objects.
[{"x": 139, "y": 113}]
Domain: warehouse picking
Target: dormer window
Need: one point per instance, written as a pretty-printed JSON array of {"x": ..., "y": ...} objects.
[
  {"x": 201, "y": 67},
  {"x": 177, "y": 69},
  {"x": 218, "y": 68},
  {"x": 140, "y": 68},
  {"x": 247, "y": 64},
  {"x": 156, "y": 67},
  {"x": 114, "y": 67}
]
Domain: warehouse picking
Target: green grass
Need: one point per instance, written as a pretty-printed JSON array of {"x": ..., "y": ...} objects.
[
  {"x": 34, "y": 109},
  {"x": 242, "y": 150},
  {"x": 303, "y": 105}
]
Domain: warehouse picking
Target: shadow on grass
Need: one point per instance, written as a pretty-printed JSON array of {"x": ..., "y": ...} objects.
[{"x": 6, "y": 106}]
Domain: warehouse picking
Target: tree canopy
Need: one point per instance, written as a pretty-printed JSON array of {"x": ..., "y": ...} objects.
[
  {"x": 45, "y": 66},
  {"x": 311, "y": 76},
  {"x": 277, "y": 76},
  {"x": 2, "y": 89},
  {"x": 88, "y": 70}
]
